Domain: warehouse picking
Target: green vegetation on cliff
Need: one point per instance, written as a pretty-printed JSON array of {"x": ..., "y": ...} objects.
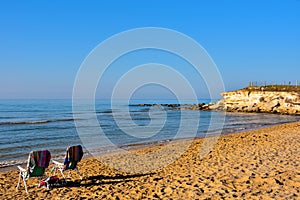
[{"x": 274, "y": 88}]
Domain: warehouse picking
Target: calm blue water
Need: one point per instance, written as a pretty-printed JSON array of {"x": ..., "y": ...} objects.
[{"x": 27, "y": 125}]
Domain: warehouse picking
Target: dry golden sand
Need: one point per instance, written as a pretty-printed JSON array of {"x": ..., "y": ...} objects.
[{"x": 259, "y": 164}]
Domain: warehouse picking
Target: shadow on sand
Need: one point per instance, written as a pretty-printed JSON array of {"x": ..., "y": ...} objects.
[{"x": 102, "y": 180}]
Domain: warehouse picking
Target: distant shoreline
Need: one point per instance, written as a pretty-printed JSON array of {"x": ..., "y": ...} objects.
[{"x": 275, "y": 99}]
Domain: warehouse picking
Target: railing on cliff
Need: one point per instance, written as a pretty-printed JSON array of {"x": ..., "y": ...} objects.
[{"x": 264, "y": 86}]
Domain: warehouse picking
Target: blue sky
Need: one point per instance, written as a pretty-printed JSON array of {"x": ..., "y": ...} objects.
[{"x": 43, "y": 43}]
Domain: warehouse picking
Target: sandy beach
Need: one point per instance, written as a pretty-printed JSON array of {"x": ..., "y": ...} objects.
[{"x": 259, "y": 164}]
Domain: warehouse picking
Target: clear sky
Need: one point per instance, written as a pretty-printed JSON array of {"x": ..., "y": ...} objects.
[{"x": 43, "y": 43}]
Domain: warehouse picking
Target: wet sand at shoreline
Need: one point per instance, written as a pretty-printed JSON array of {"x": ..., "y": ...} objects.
[{"x": 258, "y": 164}]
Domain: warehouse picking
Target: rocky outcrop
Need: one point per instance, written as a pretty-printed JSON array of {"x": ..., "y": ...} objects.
[
  {"x": 261, "y": 101},
  {"x": 254, "y": 101}
]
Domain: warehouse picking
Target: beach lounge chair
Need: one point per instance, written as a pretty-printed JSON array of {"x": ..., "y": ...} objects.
[
  {"x": 38, "y": 161},
  {"x": 73, "y": 156}
]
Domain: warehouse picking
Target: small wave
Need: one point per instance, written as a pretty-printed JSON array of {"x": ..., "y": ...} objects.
[
  {"x": 105, "y": 111},
  {"x": 7, "y": 117},
  {"x": 29, "y": 122},
  {"x": 38, "y": 122},
  {"x": 11, "y": 163}
]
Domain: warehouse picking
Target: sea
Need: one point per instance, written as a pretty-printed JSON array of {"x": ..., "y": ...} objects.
[{"x": 35, "y": 124}]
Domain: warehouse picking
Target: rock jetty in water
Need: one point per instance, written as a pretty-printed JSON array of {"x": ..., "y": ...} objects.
[{"x": 163, "y": 105}]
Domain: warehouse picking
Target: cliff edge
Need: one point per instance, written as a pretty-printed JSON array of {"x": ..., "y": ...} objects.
[{"x": 246, "y": 100}]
